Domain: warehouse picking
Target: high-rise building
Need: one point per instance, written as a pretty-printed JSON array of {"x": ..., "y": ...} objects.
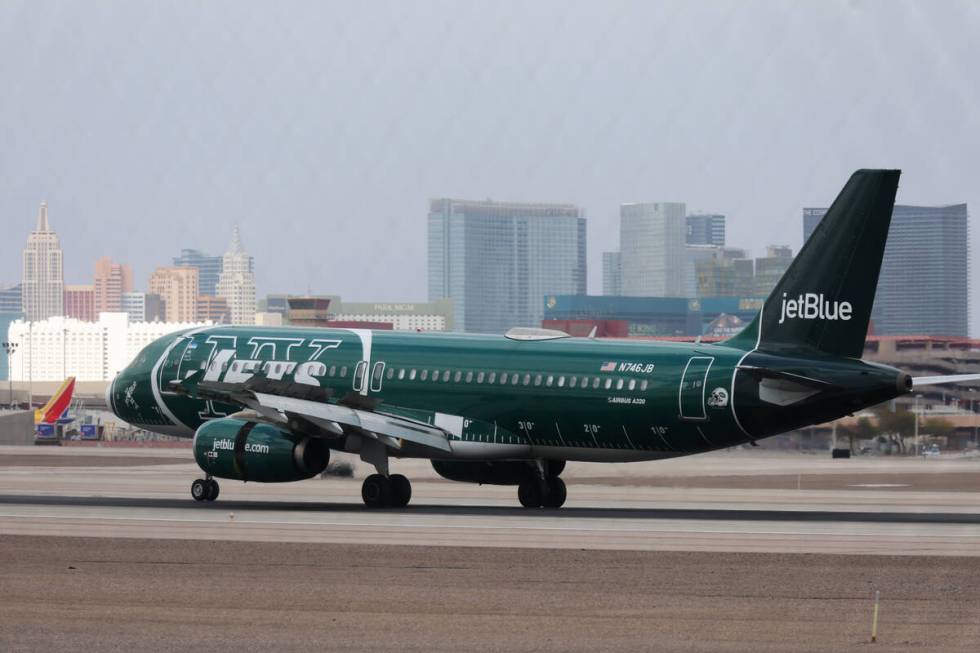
[
  {"x": 706, "y": 229},
  {"x": 212, "y": 309},
  {"x": 696, "y": 255},
  {"x": 80, "y": 302},
  {"x": 652, "y": 240},
  {"x": 769, "y": 269},
  {"x": 728, "y": 273},
  {"x": 11, "y": 299},
  {"x": 811, "y": 218},
  {"x": 177, "y": 287},
  {"x": 612, "y": 274},
  {"x": 208, "y": 269},
  {"x": 236, "y": 284},
  {"x": 133, "y": 304},
  {"x": 923, "y": 284},
  {"x": 111, "y": 281},
  {"x": 498, "y": 260},
  {"x": 154, "y": 308},
  {"x": 144, "y": 307},
  {"x": 43, "y": 284}
]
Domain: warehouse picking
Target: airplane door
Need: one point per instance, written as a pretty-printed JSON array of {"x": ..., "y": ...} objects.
[
  {"x": 690, "y": 396},
  {"x": 360, "y": 371},
  {"x": 377, "y": 376}
]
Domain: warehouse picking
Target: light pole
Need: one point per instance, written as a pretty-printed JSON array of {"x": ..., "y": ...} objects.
[
  {"x": 915, "y": 409},
  {"x": 30, "y": 366},
  {"x": 973, "y": 410},
  {"x": 10, "y": 348}
]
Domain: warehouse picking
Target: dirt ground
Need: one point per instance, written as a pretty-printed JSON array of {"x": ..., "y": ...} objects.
[{"x": 59, "y": 594}]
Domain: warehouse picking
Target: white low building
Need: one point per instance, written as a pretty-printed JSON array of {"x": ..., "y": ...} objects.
[
  {"x": 412, "y": 316},
  {"x": 59, "y": 347}
]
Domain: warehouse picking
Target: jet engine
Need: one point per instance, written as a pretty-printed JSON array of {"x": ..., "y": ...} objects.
[{"x": 256, "y": 451}]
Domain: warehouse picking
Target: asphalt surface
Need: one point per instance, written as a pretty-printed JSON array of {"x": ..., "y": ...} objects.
[
  {"x": 103, "y": 594},
  {"x": 108, "y": 552}
]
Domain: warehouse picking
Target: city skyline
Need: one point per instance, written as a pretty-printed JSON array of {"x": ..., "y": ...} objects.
[{"x": 86, "y": 301}]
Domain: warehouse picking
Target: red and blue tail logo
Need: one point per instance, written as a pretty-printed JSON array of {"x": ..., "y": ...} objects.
[{"x": 56, "y": 410}]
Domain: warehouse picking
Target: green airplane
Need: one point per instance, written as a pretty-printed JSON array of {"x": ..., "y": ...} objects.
[{"x": 269, "y": 404}]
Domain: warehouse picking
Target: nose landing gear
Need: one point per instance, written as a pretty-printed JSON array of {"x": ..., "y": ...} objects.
[{"x": 205, "y": 489}]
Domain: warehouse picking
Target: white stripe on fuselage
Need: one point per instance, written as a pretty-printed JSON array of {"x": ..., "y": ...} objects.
[{"x": 154, "y": 379}]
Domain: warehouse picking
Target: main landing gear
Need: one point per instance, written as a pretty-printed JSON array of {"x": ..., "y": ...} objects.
[
  {"x": 543, "y": 489},
  {"x": 379, "y": 491},
  {"x": 205, "y": 489}
]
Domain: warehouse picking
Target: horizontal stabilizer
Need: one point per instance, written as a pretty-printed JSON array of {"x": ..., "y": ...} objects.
[{"x": 918, "y": 381}]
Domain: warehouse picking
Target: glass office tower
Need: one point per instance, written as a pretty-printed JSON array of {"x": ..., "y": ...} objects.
[{"x": 498, "y": 260}]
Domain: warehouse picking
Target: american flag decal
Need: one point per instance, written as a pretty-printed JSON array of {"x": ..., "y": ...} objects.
[{"x": 608, "y": 367}]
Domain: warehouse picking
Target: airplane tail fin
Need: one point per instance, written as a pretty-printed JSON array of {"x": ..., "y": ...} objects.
[
  {"x": 58, "y": 405},
  {"x": 823, "y": 301}
]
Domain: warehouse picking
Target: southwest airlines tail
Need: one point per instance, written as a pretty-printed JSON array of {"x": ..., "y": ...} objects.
[
  {"x": 57, "y": 406},
  {"x": 823, "y": 302}
]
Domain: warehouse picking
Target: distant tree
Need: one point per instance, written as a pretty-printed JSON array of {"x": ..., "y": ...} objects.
[
  {"x": 938, "y": 426},
  {"x": 895, "y": 425},
  {"x": 864, "y": 429}
]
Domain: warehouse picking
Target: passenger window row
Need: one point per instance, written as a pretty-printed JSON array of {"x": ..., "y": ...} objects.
[
  {"x": 535, "y": 379},
  {"x": 278, "y": 368}
]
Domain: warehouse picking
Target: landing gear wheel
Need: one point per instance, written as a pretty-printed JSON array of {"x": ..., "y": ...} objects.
[
  {"x": 376, "y": 491},
  {"x": 557, "y": 493},
  {"x": 401, "y": 490},
  {"x": 529, "y": 493},
  {"x": 200, "y": 489},
  {"x": 213, "y": 490}
]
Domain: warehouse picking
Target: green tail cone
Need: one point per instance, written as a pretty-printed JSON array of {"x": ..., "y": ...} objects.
[{"x": 823, "y": 302}]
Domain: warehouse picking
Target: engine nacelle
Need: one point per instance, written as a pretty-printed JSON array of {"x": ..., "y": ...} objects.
[{"x": 256, "y": 451}]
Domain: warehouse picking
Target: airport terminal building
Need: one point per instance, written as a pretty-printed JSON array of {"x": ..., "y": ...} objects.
[{"x": 658, "y": 316}]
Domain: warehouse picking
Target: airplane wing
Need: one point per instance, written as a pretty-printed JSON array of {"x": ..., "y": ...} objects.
[
  {"x": 918, "y": 381},
  {"x": 298, "y": 407}
]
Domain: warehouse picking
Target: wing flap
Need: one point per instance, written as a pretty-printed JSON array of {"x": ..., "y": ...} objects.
[{"x": 378, "y": 423}]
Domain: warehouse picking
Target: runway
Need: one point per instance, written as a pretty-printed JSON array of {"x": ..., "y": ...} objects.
[
  {"x": 104, "y": 549},
  {"x": 145, "y": 495}
]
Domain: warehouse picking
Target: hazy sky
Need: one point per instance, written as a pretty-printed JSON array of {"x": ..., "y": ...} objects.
[{"x": 324, "y": 128}]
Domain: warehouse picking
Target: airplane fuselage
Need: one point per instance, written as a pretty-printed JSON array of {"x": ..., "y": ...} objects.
[{"x": 567, "y": 398}]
